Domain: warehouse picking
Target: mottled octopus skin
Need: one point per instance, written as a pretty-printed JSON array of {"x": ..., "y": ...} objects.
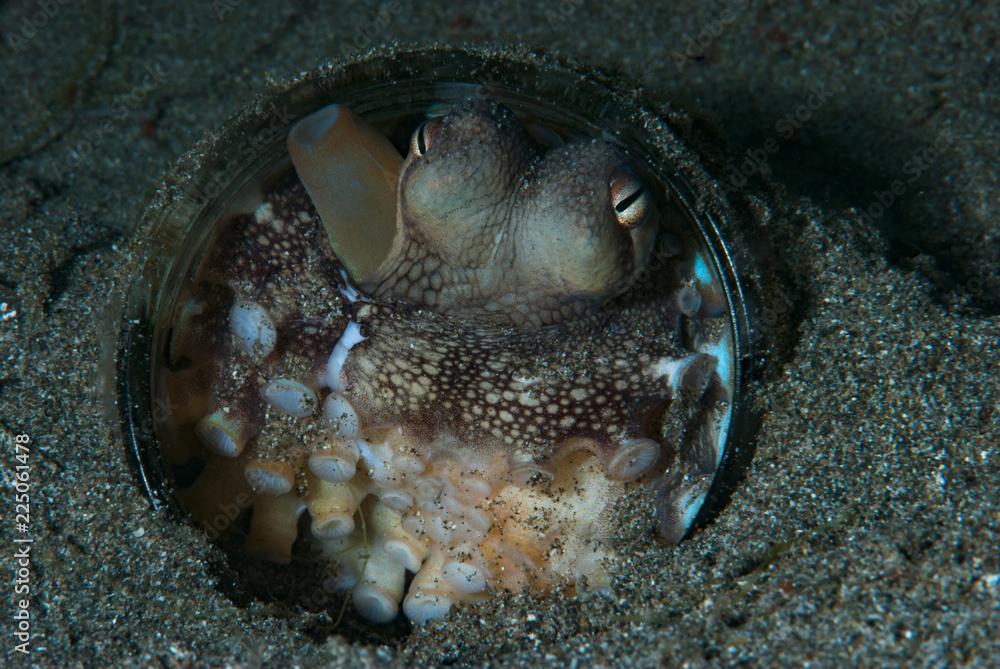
[
  {"x": 481, "y": 455},
  {"x": 502, "y": 232}
]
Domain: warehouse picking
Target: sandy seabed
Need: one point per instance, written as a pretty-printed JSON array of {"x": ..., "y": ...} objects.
[{"x": 864, "y": 529}]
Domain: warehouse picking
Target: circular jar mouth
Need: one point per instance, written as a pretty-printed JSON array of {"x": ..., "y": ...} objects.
[{"x": 392, "y": 89}]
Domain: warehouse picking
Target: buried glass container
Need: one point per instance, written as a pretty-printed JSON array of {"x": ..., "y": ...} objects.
[{"x": 433, "y": 334}]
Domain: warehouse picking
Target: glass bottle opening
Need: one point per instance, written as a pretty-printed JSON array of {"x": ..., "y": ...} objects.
[{"x": 250, "y": 158}]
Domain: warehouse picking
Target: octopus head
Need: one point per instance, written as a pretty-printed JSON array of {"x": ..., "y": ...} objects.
[{"x": 488, "y": 226}]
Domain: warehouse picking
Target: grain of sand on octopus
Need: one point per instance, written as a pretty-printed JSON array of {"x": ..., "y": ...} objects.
[{"x": 455, "y": 363}]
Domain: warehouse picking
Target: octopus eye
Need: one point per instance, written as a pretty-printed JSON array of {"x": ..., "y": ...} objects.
[
  {"x": 630, "y": 199},
  {"x": 423, "y": 137}
]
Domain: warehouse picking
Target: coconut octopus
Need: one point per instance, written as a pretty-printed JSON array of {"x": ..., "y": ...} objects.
[{"x": 454, "y": 364}]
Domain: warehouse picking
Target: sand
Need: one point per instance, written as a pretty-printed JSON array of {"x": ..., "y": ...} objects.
[{"x": 864, "y": 529}]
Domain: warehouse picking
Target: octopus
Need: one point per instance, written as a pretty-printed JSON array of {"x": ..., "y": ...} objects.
[{"x": 445, "y": 369}]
